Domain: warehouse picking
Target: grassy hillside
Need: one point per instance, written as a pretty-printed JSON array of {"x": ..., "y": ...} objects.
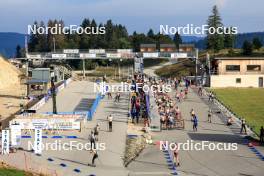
[{"x": 184, "y": 68}]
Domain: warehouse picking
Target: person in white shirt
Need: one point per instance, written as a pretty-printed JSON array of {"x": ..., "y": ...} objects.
[{"x": 110, "y": 122}]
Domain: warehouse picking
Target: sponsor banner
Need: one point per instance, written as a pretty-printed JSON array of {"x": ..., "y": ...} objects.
[
  {"x": 38, "y": 141},
  {"x": 59, "y": 56},
  {"x": 87, "y": 55},
  {"x": 97, "y": 51},
  {"x": 15, "y": 134},
  {"x": 33, "y": 56},
  {"x": 127, "y": 55},
  {"x": 5, "y": 142},
  {"x": 150, "y": 55},
  {"x": 71, "y": 51},
  {"x": 113, "y": 55},
  {"x": 124, "y": 50},
  {"x": 178, "y": 55},
  {"x": 50, "y": 122}
]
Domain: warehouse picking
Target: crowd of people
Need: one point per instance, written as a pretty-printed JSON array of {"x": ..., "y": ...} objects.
[
  {"x": 169, "y": 111},
  {"x": 138, "y": 102}
]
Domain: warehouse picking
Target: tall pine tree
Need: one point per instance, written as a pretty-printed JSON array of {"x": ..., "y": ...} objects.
[
  {"x": 215, "y": 41},
  {"x": 256, "y": 43},
  {"x": 177, "y": 40}
]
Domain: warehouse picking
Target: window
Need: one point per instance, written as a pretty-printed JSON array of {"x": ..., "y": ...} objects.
[
  {"x": 238, "y": 80},
  {"x": 232, "y": 67},
  {"x": 253, "y": 67}
]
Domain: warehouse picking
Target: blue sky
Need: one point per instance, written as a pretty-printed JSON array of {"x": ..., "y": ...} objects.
[{"x": 139, "y": 15}]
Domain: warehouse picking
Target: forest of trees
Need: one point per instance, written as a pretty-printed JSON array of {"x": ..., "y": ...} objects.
[{"x": 116, "y": 36}]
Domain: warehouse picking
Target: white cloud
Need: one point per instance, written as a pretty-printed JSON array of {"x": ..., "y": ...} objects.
[{"x": 221, "y": 3}]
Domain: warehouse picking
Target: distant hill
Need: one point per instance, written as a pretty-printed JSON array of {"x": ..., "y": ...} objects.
[
  {"x": 239, "y": 40},
  {"x": 9, "y": 41},
  {"x": 248, "y": 36},
  {"x": 189, "y": 39}
]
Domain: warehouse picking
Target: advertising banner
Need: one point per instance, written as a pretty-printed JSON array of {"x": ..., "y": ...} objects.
[
  {"x": 124, "y": 50},
  {"x": 51, "y": 121},
  {"x": 97, "y": 51},
  {"x": 113, "y": 55},
  {"x": 150, "y": 55},
  {"x": 59, "y": 56},
  {"x": 33, "y": 56},
  {"x": 71, "y": 51},
  {"x": 38, "y": 141},
  {"x": 15, "y": 134},
  {"x": 5, "y": 142},
  {"x": 178, "y": 55},
  {"x": 87, "y": 55}
]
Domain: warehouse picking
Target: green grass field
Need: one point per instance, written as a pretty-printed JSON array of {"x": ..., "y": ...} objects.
[
  {"x": 12, "y": 172},
  {"x": 245, "y": 102}
]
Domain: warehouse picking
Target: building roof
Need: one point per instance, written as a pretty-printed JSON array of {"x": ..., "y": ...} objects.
[
  {"x": 41, "y": 69},
  {"x": 170, "y": 45},
  {"x": 148, "y": 45},
  {"x": 239, "y": 58}
]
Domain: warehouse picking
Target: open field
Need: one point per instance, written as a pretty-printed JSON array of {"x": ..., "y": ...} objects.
[{"x": 245, "y": 102}]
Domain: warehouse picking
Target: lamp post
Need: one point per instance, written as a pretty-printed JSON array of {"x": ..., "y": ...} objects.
[
  {"x": 196, "y": 64},
  {"x": 83, "y": 68},
  {"x": 54, "y": 44}
]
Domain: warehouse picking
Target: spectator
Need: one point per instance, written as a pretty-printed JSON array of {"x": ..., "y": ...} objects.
[
  {"x": 110, "y": 121},
  {"x": 96, "y": 132},
  {"x": 176, "y": 159},
  {"x": 210, "y": 114},
  {"x": 243, "y": 126},
  {"x": 229, "y": 121},
  {"x": 95, "y": 156},
  {"x": 195, "y": 122},
  {"x": 261, "y": 136},
  {"x": 92, "y": 140}
]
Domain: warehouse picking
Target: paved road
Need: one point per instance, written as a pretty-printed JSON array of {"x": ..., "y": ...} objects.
[
  {"x": 240, "y": 162},
  {"x": 151, "y": 161},
  {"x": 217, "y": 163},
  {"x": 110, "y": 160},
  {"x": 151, "y": 70},
  {"x": 78, "y": 96}
]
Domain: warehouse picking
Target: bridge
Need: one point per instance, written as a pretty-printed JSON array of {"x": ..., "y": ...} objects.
[{"x": 73, "y": 54}]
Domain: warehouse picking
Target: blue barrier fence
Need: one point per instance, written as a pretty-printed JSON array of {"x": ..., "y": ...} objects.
[{"x": 89, "y": 114}]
